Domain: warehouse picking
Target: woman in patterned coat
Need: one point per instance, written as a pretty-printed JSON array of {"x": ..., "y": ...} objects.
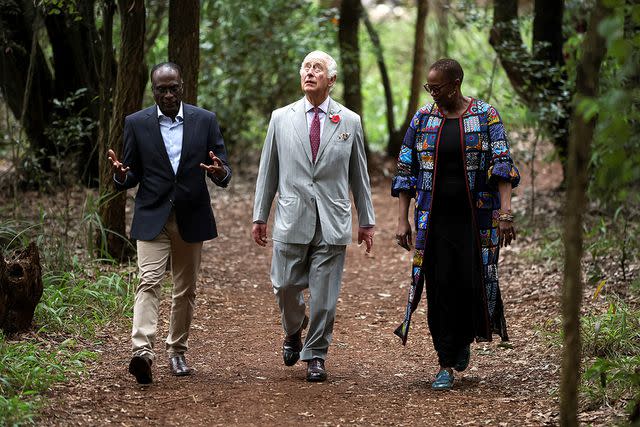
[{"x": 455, "y": 162}]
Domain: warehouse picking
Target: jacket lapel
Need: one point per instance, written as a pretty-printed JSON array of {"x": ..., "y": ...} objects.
[
  {"x": 299, "y": 121},
  {"x": 329, "y": 127},
  {"x": 153, "y": 128}
]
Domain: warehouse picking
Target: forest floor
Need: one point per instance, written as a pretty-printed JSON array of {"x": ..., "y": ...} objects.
[{"x": 235, "y": 346}]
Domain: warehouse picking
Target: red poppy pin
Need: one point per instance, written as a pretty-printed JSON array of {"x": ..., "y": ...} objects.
[{"x": 334, "y": 118}]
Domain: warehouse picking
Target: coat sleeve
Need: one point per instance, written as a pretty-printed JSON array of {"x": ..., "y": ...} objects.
[
  {"x": 406, "y": 175},
  {"x": 131, "y": 158},
  {"x": 268, "y": 175},
  {"x": 359, "y": 179},
  {"x": 501, "y": 166},
  {"x": 215, "y": 143}
]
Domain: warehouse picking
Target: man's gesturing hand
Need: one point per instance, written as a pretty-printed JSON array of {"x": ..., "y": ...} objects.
[
  {"x": 118, "y": 168},
  {"x": 259, "y": 234},
  {"x": 365, "y": 234},
  {"x": 216, "y": 167}
]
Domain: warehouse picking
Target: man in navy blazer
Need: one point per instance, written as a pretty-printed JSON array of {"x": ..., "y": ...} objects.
[{"x": 168, "y": 150}]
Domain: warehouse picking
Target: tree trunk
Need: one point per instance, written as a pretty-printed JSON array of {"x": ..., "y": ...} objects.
[
  {"x": 17, "y": 18},
  {"x": 384, "y": 76},
  {"x": 350, "y": 53},
  {"x": 581, "y": 134},
  {"x": 534, "y": 78},
  {"x": 4, "y": 297},
  {"x": 76, "y": 61},
  {"x": 21, "y": 282},
  {"x": 130, "y": 82},
  {"x": 418, "y": 70},
  {"x": 157, "y": 9},
  {"x": 441, "y": 9},
  {"x": 105, "y": 168},
  {"x": 350, "y": 11},
  {"x": 184, "y": 43},
  {"x": 417, "y": 75}
]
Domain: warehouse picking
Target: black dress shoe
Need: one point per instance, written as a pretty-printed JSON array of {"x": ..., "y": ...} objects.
[
  {"x": 140, "y": 367},
  {"x": 315, "y": 370},
  {"x": 293, "y": 345},
  {"x": 179, "y": 366}
]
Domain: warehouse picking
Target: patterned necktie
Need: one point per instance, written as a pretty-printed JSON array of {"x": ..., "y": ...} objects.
[{"x": 314, "y": 133}]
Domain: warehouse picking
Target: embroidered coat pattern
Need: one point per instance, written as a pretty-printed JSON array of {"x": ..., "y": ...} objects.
[{"x": 487, "y": 160}]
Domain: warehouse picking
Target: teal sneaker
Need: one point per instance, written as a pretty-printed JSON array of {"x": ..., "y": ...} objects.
[
  {"x": 462, "y": 361},
  {"x": 444, "y": 381}
]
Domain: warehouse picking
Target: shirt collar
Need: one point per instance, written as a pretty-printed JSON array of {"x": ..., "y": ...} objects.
[
  {"x": 179, "y": 115},
  {"x": 323, "y": 107}
]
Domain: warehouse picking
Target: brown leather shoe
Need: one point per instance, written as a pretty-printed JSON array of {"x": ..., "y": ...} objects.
[
  {"x": 315, "y": 370},
  {"x": 293, "y": 345},
  {"x": 140, "y": 367},
  {"x": 178, "y": 366}
]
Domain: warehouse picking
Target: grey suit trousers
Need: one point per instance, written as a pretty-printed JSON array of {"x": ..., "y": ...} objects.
[{"x": 316, "y": 266}]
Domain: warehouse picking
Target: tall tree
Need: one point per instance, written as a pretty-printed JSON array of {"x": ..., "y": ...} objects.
[
  {"x": 106, "y": 82},
  {"x": 581, "y": 134},
  {"x": 72, "y": 37},
  {"x": 441, "y": 10},
  {"x": 184, "y": 43},
  {"x": 25, "y": 79},
  {"x": 348, "y": 41},
  {"x": 130, "y": 82},
  {"x": 418, "y": 75},
  {"x": 350, "y": 53},
  {"x": 77, "y": 52},
  {"x": 538, "y": 76}
]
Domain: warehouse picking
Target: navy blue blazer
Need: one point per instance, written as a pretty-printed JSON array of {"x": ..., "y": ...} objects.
[{"x": 160, "y": 189}]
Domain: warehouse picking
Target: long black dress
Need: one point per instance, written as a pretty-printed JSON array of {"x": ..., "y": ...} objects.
[{"x": 453, "y": 279}]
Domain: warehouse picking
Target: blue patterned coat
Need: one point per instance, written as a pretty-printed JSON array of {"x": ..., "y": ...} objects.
[{"x": 486, "y": 161}]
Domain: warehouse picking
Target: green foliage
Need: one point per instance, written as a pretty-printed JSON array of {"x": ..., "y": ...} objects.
[
  {"x": 250, "y": 57},
  {"x": 28, "y": 368},
  {"x": 72, "y": 297},
  {"x": 59, "y": 7},
  {"x": 613, "y": 339},
  {"x": 67, "y": 131},
  {"x": 58, "y": 233},
  {"x": 73, "y": 305},
  {"x": 615, "y": 159},
  {"x": 467, "y": 41},
  {"x": 611, "y": 244},
  {"x": 547, "y": 247},
  {"x": 615, "y": 332}
]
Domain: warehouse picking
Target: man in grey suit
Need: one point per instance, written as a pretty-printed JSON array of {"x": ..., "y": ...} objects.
[{"x": 313, "y": 153}]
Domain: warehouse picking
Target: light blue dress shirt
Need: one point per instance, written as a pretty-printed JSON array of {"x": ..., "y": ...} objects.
[{"x": 172, "y": 136}]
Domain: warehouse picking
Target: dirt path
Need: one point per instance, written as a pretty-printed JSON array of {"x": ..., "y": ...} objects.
[{"x": 373, "y": 380}]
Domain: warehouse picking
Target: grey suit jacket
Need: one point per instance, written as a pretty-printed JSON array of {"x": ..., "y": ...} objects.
[{"x": 307, "y": 190}]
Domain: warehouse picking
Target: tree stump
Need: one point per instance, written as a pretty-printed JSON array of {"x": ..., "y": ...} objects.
[{"x": 20, "y": 288}]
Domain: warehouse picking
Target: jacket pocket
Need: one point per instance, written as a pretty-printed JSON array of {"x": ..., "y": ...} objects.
[{"x": 287, "y": 212}]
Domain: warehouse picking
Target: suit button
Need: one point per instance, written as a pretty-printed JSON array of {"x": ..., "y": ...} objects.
[{"x": 313, "y": 199}]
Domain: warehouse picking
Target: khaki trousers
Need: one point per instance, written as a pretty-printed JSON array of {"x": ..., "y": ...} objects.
[{"x": 152, "y": 264}]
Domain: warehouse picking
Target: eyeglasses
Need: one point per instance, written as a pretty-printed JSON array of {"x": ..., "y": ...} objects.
[
  {"x": 434, "y": 90},
  {"x": 164, "y": 89}
]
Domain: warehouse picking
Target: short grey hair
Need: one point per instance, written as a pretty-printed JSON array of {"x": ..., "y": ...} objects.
[{"x": 332, "y": 66}]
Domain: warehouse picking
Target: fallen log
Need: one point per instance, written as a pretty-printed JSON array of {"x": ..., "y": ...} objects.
[{"x": 20, "y": 288}]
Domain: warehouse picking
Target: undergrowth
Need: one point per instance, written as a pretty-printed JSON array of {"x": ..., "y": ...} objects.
[{"x": 80, "y": 296}]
